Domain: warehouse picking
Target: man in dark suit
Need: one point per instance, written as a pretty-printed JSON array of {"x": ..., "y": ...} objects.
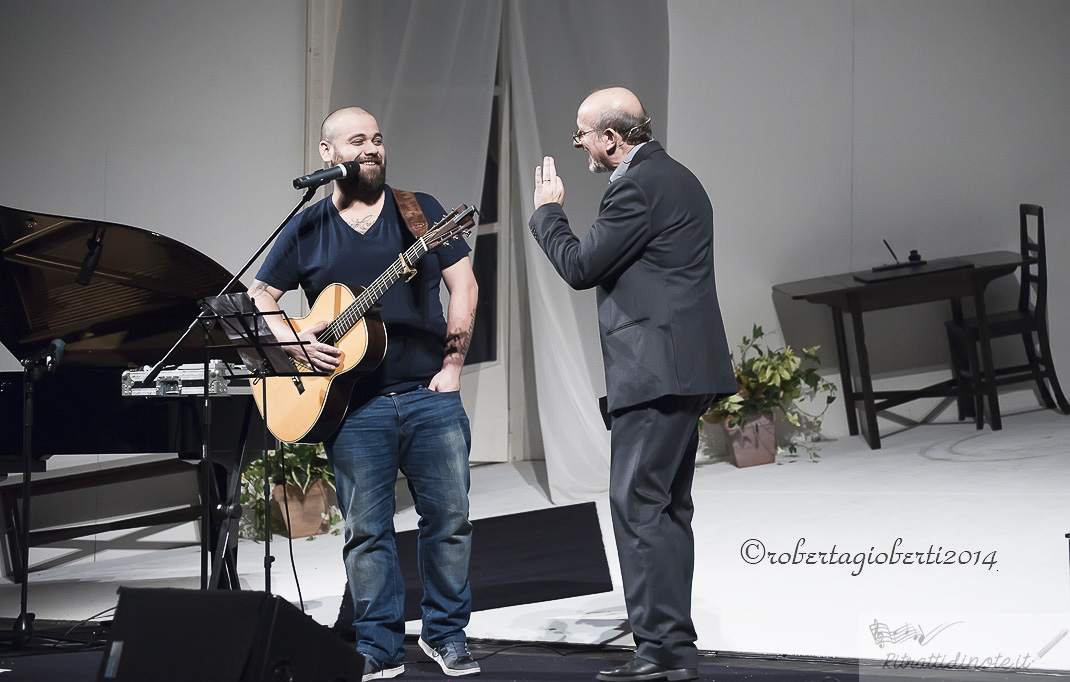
[{"x": 650, "y": 254}]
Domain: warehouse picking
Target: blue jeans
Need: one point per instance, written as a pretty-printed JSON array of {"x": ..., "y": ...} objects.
[{"x": 426, "y": 435}]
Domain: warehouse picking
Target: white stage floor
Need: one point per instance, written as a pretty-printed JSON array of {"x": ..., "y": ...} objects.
[{"x": 948, "y": 542}]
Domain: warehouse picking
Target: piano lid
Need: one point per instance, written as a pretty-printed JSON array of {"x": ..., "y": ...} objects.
[{"x": 141, "y": 296}]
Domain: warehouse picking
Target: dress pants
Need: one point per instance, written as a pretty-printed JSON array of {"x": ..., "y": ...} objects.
[{"x": 652, "y": 466}]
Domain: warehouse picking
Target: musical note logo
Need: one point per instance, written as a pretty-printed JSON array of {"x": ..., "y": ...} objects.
[{"x": 882, "y": 634}]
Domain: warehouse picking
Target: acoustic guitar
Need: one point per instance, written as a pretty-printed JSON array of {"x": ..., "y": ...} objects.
[{"x": 307, "y": 408}]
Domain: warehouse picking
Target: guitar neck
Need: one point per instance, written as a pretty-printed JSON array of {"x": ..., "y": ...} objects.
[{"x": 364, "y": 302}]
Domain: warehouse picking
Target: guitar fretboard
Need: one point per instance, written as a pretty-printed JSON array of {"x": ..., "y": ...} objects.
[{"x": 367, "y": 298}]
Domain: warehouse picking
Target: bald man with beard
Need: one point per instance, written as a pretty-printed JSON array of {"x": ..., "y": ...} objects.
[
  {"x": 649, "y": 255},
  {"x": 406, "y": 414}
]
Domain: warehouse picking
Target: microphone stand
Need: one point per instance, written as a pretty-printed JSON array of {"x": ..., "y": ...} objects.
[
  {"x": 205, "y": 317},
  {"x": 32, "y": 371}
]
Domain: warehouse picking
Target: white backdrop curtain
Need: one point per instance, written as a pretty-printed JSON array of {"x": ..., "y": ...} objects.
[
  {"x": 425, "y": 70},
  {"x": 560, "y": 51}
]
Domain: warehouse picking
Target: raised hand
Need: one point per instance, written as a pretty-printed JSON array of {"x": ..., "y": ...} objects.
[{"x": 548, "y": 186}]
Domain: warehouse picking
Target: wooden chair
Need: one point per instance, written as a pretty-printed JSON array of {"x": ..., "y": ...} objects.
[{"x": 1029, "y": 319}]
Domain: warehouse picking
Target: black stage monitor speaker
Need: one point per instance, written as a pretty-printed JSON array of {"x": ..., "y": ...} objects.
[{"x": 167, "y": 635}]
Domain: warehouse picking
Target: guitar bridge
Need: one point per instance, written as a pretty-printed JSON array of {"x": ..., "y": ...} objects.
[
  {"x": 406, "y": 269},
  {"x": 301, "y": 367}
]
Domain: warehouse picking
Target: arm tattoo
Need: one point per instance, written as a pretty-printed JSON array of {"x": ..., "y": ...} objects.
[
  {"x": 257, "y": 288},
  {"x": 457, "y": 342}
]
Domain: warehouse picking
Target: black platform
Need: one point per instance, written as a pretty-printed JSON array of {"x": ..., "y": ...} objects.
[{"x": 532, "y": 662}]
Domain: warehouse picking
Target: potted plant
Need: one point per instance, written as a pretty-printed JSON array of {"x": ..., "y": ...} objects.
[
  {"x": 303, "y": 487},
  {"x": 771, "y": 381}
]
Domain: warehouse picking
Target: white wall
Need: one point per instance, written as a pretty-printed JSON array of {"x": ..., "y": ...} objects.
[
  {"x": 185, "y": 118},
  {"x": 760, "y": 109},
  {"x": 821, "y": 127},
  {"x": 960, "y": 115}
]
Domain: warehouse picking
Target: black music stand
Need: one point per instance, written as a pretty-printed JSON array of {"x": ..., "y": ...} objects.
[
  {"x": 264, "y": 356},
  {"x": 207, "y": 318}
]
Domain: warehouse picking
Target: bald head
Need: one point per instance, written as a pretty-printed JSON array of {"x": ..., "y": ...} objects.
[
  {"x": 612, "y": 100},
  {"x": 339, "y": 119},
  {"x": 352, "y": 134},
  {"x": 616, "y": 109}
]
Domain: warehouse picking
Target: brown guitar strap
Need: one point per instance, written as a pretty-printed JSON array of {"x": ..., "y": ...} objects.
[{"x": 411, "y": 213}]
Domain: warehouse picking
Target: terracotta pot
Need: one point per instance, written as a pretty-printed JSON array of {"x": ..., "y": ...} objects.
[
  {"x": 309, "y": 511},
  {"x": 752, "y": 443}
]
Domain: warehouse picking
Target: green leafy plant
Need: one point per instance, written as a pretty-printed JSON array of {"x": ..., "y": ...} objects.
[
  {"x": 775, "y": 381},
  {"x": 300, "y": 464}
]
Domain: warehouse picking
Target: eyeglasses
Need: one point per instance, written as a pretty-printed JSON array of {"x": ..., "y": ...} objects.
[{"x": 578, "y": 135}]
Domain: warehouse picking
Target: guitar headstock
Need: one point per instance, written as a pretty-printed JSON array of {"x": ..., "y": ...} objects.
[{"x": 457, "y": 223}]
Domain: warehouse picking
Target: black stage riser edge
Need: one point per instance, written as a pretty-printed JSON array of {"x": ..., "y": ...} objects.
[{"x": 172, "y": 635}]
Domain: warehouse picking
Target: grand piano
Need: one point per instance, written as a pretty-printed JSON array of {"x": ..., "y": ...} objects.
[{"x": 119, "y": 297}]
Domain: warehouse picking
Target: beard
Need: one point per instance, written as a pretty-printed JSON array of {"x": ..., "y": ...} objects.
[
  {"x": 596, "y": 166},
  {"x": 368, "y": 184}
]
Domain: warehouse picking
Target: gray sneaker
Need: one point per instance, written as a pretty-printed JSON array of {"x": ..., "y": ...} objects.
[
  {"x": 453, "y": 657},
  {"x": 377, "y": 670}
]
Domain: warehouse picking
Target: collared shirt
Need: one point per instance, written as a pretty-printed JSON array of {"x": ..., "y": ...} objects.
[{"x": 625, "y": 162}]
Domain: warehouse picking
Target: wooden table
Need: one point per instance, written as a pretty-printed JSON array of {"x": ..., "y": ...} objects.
[{"x": 950, "y": 279}]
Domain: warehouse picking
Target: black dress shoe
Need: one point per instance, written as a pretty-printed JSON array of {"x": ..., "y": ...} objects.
[{"x": 638, "y": 670}]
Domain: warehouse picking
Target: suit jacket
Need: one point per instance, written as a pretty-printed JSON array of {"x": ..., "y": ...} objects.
[{"x": 650, "y": 253}]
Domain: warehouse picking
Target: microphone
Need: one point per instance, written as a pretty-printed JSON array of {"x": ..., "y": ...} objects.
[
  {"x": 322, "y": 177},
  {"x": 48, "y": 356},
  {"x": 889, "y": 246},
  {"x": 95, "y": 245}
]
